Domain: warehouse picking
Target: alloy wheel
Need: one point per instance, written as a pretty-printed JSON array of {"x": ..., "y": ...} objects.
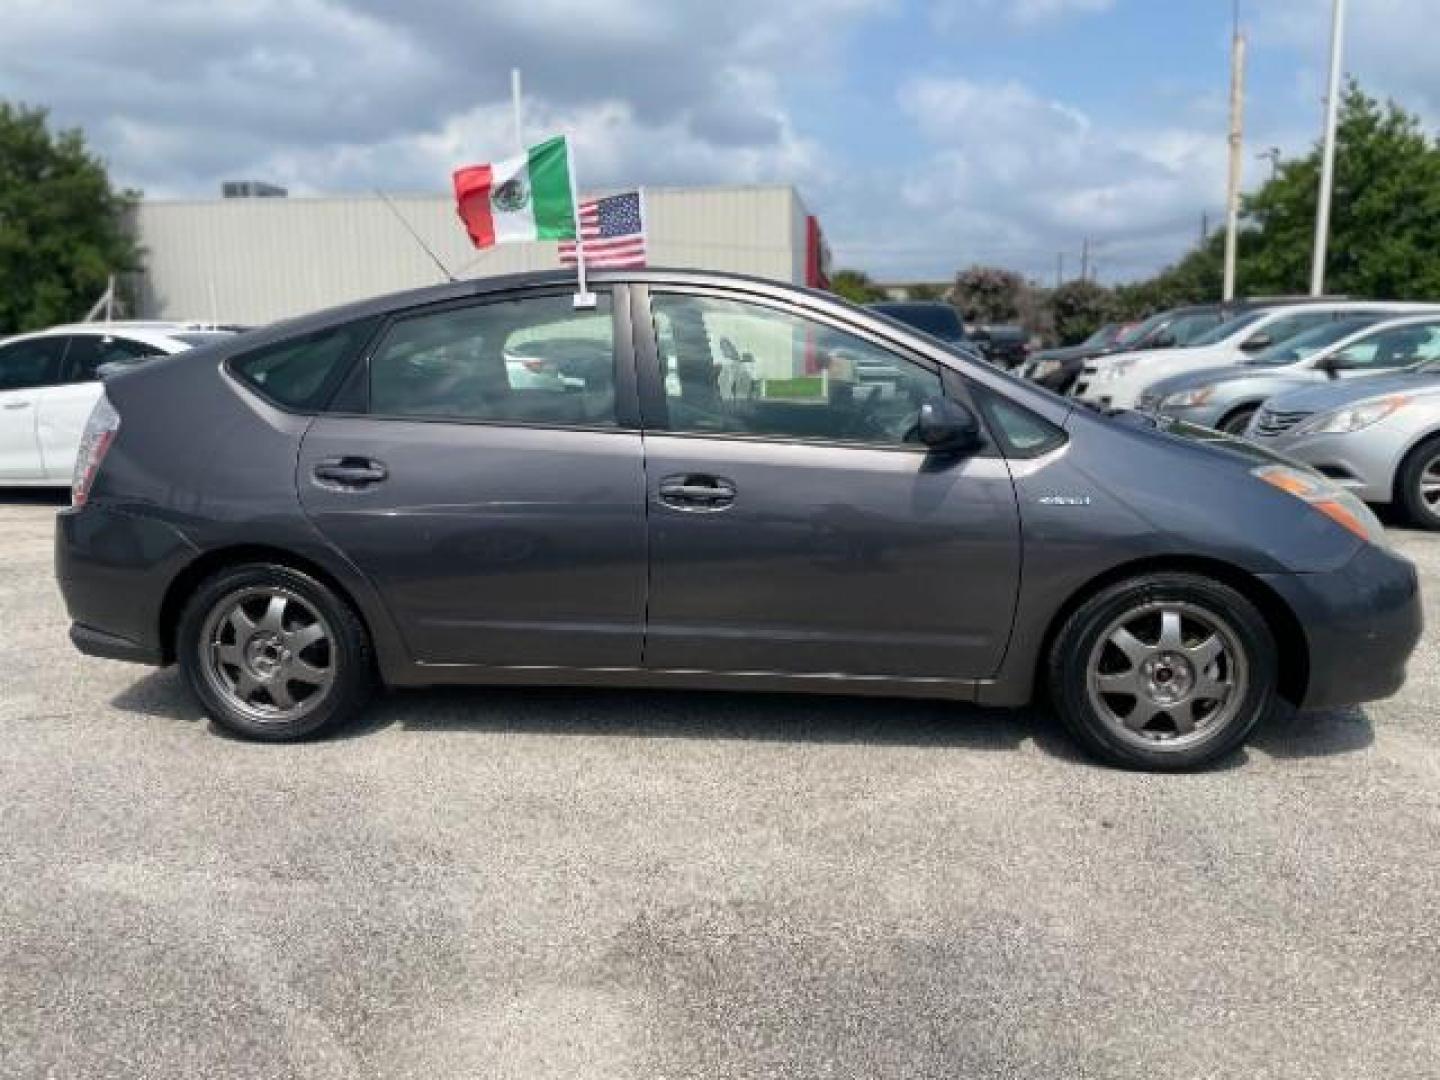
[
  {"x": 1430, "y": 485},
  {"x": 268, "y": 654},
  {"x": 1167, "y": 674}
]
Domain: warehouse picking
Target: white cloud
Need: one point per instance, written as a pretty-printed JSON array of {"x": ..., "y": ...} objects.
[
  {"x": 1388, "y": 47},
  {"x": 959, "y": 14},
  {"x": 1013, "y": 176},
  {"x": 320, "y": 94}
]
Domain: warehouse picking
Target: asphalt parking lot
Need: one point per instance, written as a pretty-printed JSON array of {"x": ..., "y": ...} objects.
[{"x": 555, "y": 884}]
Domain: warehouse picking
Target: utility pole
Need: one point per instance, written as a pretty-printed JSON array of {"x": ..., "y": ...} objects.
[
  {"x": 1059, "y": 269},
  {"x": 1273, "y": 156},
  {"x": 1327, "y": 166},
  {"x": 1237, "y": 154},
  {"x": 1204, "y": 227},
  {"x": 1085, "y": 259}
]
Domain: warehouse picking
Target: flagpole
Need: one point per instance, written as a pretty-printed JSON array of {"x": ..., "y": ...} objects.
[
  {"x": 584, "y": 298},
  {"x": 515, "y": 101}
]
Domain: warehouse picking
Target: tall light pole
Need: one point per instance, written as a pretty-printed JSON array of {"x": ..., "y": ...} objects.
[
  {"x": 1327, "y": 164},
  {"x": 1237, "y": 155}
]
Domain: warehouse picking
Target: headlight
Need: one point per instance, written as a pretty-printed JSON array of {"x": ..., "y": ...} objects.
[
  {"x": 1329, "y": 499},
  {"x": 1352, "y": 417},
  {"x": 1045, "y": 368},
  {"x": 1114, "y": 370},
  {"x": 1189, "y": 399}
]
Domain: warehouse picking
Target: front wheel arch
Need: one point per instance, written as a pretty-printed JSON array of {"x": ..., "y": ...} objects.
[
  {"x": 1289, "y": 635},
  {"x": 1422, "y": 446}
]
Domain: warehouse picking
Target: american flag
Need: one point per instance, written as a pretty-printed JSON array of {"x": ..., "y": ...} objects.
[{"x": 612, "y": 230}]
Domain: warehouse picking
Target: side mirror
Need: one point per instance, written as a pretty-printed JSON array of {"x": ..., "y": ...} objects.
[
  {"x": 948, "y": 426},
  {"x": 1331, "y": 365},
  {"x": 1165, "y": 340},
  {"x": 1260, "y": 341}
]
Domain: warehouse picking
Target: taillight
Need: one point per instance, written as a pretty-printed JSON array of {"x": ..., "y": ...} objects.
[
  {"x": 537, "y": 366},
  {"x": 99, "y": 433}
]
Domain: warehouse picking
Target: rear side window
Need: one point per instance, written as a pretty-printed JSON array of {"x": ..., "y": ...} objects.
[
  {"x": 28, "y": 364},
  {"x": 301, "y": 373},
  {"x": 529, "y": 360}
]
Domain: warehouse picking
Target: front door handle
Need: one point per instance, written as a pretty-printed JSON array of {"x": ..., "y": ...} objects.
[
  {"x": 350, "y": 472},
  {"x": 17, "y": 405},
  {"x": 695, "y": 491}
]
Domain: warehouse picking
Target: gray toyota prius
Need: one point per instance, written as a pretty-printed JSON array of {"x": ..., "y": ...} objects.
[{"x": 686, "y": 484}]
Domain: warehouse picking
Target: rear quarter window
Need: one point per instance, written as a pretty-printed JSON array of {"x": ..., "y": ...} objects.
[{"x": 301, "y": 373}]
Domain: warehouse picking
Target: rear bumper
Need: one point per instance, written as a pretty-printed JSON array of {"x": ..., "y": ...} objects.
[
  {"x": 113, "y": 569},
  {"x": 1361, "y": 624}
]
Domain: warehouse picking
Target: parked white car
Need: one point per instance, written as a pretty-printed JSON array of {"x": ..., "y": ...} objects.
[
  {"x": 49, "y": 382},
  {"x": 1118, "y": 381}
]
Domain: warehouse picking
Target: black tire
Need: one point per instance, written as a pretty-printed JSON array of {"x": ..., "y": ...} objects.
[
  {"x": 1237, "y": 422},
  {"x": 1089, "y": 713},
  {"x": 1424, "y": 458},
  {"x": 340, "y": 654}
]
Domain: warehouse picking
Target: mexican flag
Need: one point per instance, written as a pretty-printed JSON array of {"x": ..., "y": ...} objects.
[{"x": 529, "y": 197}]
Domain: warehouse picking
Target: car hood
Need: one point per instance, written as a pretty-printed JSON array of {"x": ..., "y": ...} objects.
[
  {"x": 1073, "y": 352},
  {"x": 1342, "y": 392},
  {"x": 1210, "y": 376}
]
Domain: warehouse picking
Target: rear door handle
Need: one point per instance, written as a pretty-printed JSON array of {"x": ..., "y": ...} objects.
[
  {"x": 350, "y": 472},
  {"x": 697, "y": 492},
  {"x": 17, "y": 405}
]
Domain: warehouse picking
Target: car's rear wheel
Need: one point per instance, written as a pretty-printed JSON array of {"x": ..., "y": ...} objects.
[
  {"x": 272, "y": 653},
  {"x": 1167, "y": 671},
  {"x": 1420, "y": 484},
  {"x": 1238, "y": 422}
]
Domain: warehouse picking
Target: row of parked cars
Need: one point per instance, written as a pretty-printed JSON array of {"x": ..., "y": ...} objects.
[{"x": 1349, "y": 388}]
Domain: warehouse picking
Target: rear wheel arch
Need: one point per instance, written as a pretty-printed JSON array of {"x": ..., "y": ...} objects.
[
  {"x": 1285, "y": 627},
  {"x": 212, "y": 562}
]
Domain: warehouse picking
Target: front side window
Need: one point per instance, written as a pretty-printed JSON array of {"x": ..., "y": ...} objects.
[
  {"x": 742, "y": 369},
  {"x": 89, "y": 352},
  {"x": 1399, "y": 347},
  {"x": 28, "y": 364},
  {"x": 534, "y": 360}
]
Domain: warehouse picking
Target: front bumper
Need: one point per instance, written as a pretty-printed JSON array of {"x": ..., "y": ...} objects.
[
  {"x": 113, "y": 569},
  {"x": 1361, "y": 623},
  {"x": 1364, "y": 463}
]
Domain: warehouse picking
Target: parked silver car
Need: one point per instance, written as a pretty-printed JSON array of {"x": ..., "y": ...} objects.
[
  {"x": 1227, "y": 398},
  {"x": 1379, "y": 438}
]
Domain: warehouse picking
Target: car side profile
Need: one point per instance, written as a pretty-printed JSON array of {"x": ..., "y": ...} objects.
[
  {"x": 1117, "y": 382},
  {"x": 49, "y": 383},
  {"x": 1228, "y": 398},
  {"x": 363, "y": 494}
]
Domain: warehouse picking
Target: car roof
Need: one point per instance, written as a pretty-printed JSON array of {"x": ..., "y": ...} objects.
[{"x": 157, "y": 334}]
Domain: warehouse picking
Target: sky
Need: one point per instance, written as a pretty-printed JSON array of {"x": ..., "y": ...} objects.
[{"x": 927, "y": 135}]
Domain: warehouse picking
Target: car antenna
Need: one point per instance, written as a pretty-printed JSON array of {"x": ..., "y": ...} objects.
[{"x": 414, "y": 235}]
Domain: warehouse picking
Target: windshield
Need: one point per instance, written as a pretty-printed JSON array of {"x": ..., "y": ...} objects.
[
  {"x": 1310, "y": 342},
  {"x": 1141, "y": 331},
  {"x": 1226, "y": 329},
  {"x": 1104, "y": 336}
]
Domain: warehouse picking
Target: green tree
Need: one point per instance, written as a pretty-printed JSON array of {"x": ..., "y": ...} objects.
[
  {"x": 1385, "y": 219},
  {"x": 988, "y": 294},
  {"x": 1079, "y": 308},
  {"x": 855, "y": 286},
  {"x": 62, "y": 227}
]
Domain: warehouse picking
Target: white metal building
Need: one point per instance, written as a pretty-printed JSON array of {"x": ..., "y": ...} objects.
[{"x": 253, "y": 260}]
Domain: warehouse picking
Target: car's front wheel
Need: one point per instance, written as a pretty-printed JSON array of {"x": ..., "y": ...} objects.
[
  {"x": 1419, "y": 484},
  {"x": 1238, "y": 422},
  {"x": 1166, "y": 671},
  {"x": 272, "y": 653}
]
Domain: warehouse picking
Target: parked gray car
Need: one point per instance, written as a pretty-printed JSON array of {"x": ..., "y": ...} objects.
[
  {"x": 1228, "y": 398},
  {"x": 365, "y": 494},
  {"x": 1379, "y": 438}
]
